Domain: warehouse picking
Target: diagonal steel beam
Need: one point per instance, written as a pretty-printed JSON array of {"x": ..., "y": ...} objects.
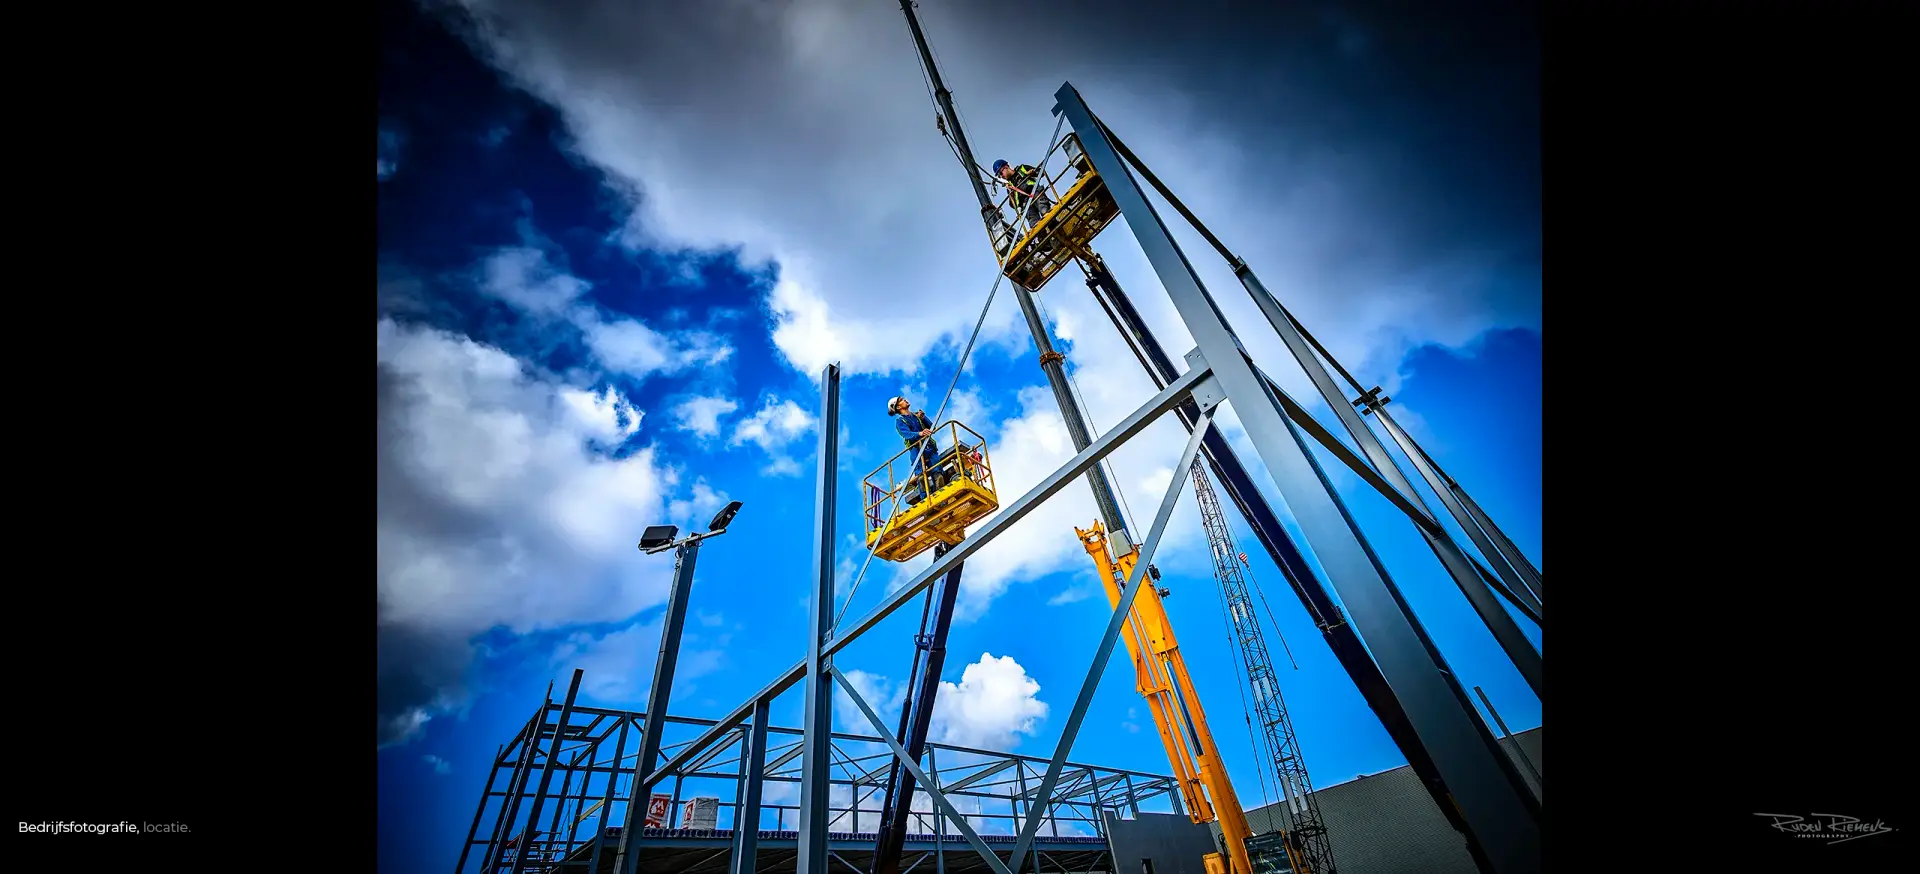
[
  {"x": 1009, "y": 514},
  {"x": 1121, "y": 612},
  {"x": 959, "y": 819}
]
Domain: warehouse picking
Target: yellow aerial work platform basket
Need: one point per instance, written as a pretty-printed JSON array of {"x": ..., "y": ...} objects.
[
  {"x": 1077, "y": 216},
  {"x": 909, "y": 511}
]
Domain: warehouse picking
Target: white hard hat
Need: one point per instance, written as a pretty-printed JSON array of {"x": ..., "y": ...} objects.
[{"x": 893, "y": 403}]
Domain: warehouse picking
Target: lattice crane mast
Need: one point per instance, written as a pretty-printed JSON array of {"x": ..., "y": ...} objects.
[{"x": 1305, "y": 836}]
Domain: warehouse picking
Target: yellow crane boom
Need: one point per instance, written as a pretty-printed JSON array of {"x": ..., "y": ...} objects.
[{"x": 1160, "y": 673}]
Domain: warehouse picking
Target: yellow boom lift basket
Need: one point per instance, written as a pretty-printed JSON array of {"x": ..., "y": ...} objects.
[
  {"x": 907, "y": 514},
  {"x": 1077, "y": 216}
]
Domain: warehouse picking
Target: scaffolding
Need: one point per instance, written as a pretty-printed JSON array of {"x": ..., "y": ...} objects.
[{"x": 558, "y": 791}]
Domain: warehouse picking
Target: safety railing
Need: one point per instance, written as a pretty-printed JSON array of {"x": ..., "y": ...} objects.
[
  {"x": 954, "y": 456},
  {"x": 1053, "y": 185}
]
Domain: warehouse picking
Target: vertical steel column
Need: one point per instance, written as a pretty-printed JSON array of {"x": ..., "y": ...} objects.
[
  {"x": 486, "y": 792},
  {"x": 546, "y": 773},
  {"x": 1121, "y": 613},
  {"x": 746, "y": 818},
  {"x": 1498, "y": 809},
  {"x": 939, "y": 818},
  {"x": 606, "y": 801},
  {"x": 817, "y": 739},
  {"x": 659, "y": 697}
]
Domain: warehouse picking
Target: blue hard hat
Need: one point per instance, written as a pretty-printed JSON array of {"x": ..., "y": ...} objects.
[{"x": 999, "y": 166}]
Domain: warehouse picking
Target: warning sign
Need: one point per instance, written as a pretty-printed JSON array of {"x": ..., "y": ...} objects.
[{"x": 657, "y": 809}]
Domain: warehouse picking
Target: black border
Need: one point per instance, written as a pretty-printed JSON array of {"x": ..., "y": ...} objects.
[{"x": 1722, "y": 203}]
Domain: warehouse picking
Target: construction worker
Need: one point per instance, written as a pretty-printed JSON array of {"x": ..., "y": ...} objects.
[
  {"x": 915, "y": 428},
  {"x": 1029, "y": 190}
]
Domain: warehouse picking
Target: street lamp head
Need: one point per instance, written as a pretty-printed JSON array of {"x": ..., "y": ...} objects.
[
  {"x": 658, "y": 537},
  {"x": 724, "y": 518}
]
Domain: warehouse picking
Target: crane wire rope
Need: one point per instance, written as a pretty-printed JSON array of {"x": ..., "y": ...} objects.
[
  {"x": 1080, "y": 397},
  {"x": 1243, "y": 680},
  {"x": 1053, "y": 142}
]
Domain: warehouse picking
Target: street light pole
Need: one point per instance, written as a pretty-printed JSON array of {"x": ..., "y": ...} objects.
[{"x": 686, "y": 551}]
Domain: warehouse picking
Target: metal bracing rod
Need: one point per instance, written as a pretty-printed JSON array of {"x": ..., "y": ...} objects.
[
  {"x": 1514, "y": 579},
  {"x": 1496, "y": 806},
  {"x": 659, "y": 698},
  {"x": 1168, "y": 398},
  {"x": 817, "y": 741},
  {"x": 978, "y": 776},
  {"x": 1121, "y": 613},
  {"x": 546, "y": 773},
  {"x": 486, "y": 792},
  {"x": 1415, "y": 511},
  {"x": 1513, "y": 554},
  {"x": 746, "y": 818},
  {"x": 1276, "y": 313},
  {"x": 606, "y": 802},
  {"x": 1506, "y": 733},
  {"x": 900, "y": 754},
  {"x": 1512, "y": 640}
]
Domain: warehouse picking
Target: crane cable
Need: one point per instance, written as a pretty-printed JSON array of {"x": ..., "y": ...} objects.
[{"x": 1053, "y": 141}]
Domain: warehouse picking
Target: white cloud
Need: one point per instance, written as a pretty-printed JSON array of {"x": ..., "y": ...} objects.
[
  {"x": 994, "y": 701},
  {"x": 701, "y": 415},
  {"x": 774, "y": 428},
  {"x": 880, "y": 276},
  {"x": 440, "y": 766},
  {"x": 618, "y": 665},
  {"x": 495, "y": 510},
  {"x": 525, "y": 278}
]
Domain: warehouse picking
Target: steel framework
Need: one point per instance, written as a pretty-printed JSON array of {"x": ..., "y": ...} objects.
[
  {"x": 557, "y": 791},
  {"x": 1405, "y": 677}
]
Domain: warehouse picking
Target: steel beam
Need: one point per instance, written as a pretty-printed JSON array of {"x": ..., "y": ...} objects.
[
  {"x": 746, "y": 817},
  {"x": 1512, "y": 640},
  {"x": 1009, "y": 514},
  {"x": 817, "y": 741},
  {"x": 1431, "y": 474},
  {"x": 546, "y": 774},
  {"x": 940, "y": 798},
  {"x": 1491, "y": 794},
  {"x": 1121, "y": 613}
]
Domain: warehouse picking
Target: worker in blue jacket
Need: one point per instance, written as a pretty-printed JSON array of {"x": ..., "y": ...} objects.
[{"x": 917, "y": 430}]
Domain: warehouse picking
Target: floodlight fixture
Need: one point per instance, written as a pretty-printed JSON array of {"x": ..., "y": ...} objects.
[
  {"x": 723, "y": 518},
  {"x": 658, "y": 537}
]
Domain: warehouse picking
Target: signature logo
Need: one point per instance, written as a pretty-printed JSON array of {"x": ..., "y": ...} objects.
[{"x": 1830, "y": 827}]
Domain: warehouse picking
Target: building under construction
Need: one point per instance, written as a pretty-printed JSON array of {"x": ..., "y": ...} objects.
[{"x": 735, "y": 793}]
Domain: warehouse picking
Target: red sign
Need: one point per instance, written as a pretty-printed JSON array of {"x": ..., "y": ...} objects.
[{"x": 657, "y": 808}]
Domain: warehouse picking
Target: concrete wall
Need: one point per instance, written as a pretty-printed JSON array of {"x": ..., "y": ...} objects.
[
  {"x": 1174, "y": 843},
  {"x": 1386, "y": 823}
]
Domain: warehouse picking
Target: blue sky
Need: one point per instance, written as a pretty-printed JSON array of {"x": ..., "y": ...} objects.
[{"x": 608, "y": 277}]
